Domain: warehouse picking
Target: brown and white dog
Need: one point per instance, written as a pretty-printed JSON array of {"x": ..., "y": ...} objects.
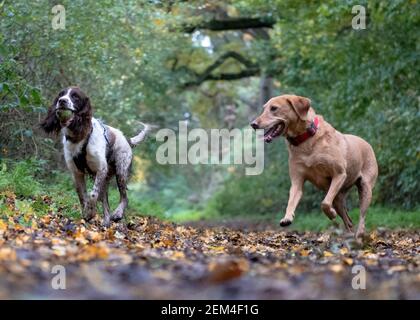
[
  {"x": 92, "y": 148},
  {"x": 332, "y": 161}
]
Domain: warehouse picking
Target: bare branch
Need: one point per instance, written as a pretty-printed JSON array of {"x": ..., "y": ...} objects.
[
  {"x": 232, "y": 24},
  {"x": 251, "y": 70}
]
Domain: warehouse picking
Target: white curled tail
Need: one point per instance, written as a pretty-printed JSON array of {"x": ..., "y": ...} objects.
[{"x": 134, "y": 141}]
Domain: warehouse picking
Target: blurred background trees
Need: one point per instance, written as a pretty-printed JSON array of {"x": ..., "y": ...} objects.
[{"x": 214, "y": 63}]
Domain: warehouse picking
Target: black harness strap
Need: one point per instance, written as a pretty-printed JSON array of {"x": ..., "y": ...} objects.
[
  {"x": 80, "y": 159},
  {"x": 108, "y": 143}
]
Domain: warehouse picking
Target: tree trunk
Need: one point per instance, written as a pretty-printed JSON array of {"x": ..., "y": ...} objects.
[{"x": 266, "y": 89}]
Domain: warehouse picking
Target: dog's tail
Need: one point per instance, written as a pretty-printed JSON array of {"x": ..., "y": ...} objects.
[{"x": 134, "y": 141}]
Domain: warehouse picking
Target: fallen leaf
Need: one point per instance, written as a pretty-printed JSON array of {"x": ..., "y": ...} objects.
[
  {"x": 59, "y": 251},
  {"x": 7, "y": 254},
  {"x": 94, "y": 251},
  {"x": 336, "y": 268},
  {"x": 178, "y": 255},
  {"x": 219, "y": 248},
  {"x": 304, "y": 252},
  {"x": 3, "y": 225},
  {"x": 328, "y": 254},
  {"x": 94, "y": 236},
  {"x": 398, "y": 268},
  {"x": 119, "y": 235},
  {"x": 344, "y": 251},
  {"x": 323, "y": 238},
  {"x": 221, "y": 271}
]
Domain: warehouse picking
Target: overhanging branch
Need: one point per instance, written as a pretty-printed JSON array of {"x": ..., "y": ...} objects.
[
  {"x": 255, "y": 25},
  {"x": 207, "y": 75},
  {"x": 234, "y": 76},
  {"x": 231, "y": 24}
]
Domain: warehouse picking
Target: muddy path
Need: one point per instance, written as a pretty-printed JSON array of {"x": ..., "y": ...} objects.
[{"x": 146, "y": 258}]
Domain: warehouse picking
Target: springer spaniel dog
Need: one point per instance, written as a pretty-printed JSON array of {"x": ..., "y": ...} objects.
[{"x": 92, "y": 148}]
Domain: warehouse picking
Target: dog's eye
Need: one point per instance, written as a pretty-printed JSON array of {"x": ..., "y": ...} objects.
[
  {"x": 273, "y": 108},
  {"x": 75, "y": 97}
]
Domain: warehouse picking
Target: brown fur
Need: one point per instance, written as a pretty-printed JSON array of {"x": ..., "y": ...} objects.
[
  {"x": 79, "y": 127},
  {"x": 332, "y": 161}
]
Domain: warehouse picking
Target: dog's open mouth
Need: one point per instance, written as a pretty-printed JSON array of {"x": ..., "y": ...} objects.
[{"x": 274, "y": 132}]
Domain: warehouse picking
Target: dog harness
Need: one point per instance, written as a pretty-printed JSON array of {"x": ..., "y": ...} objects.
[
  {"x": 310, "y": 131},
  {"x": 80, "y": 159},
  {"x": 109, "y": 141}
]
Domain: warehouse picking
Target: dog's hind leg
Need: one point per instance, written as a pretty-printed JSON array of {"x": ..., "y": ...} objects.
[
  {"x": 365, "y": 197},
  {"x": 123, "y": 165},
  {"x": 339, "y": 204},
  {"x": 365, "y": 186},
  {"x": 122, "y": 187}
]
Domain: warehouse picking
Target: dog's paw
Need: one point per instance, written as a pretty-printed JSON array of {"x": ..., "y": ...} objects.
[
  {"x": 89, "y": 211},
  {"x": 329, "y": 210},
  {"x": 285, "y": 222},
  {"x": 117, "y": 216},
  {"x": 360, "y": 233},
  {"x": 106, "y": 222},
  {"x": 89, "y": 215}
]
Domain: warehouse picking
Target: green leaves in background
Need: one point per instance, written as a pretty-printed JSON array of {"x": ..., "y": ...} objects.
[{"x": 134, "y": 59}]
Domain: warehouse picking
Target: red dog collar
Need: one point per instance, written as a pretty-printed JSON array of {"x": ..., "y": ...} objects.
[{"x": 306, "y": 135}]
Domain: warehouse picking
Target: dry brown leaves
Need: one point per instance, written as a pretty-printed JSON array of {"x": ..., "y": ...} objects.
[{"x": 149, "y": 258}]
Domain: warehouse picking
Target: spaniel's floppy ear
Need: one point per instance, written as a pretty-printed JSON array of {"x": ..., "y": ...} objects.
[
  {"x": 51, "y": 122},
  {"x": 82, "y": 118},
  {"x": 86, "y": 109},
  {"x": 301, "y": 106}
]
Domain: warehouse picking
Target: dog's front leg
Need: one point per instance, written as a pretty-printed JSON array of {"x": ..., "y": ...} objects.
[
  {"x": 80, "y": 183},
  {"x": 105, "y": 204},
  {"x": 335, "y": 186},
  {"x": 296, "y": 192},
  {"x": 98, "y": 186}
]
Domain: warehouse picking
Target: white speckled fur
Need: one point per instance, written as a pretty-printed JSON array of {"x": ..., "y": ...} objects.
[
  {"x": 95, "y": 149},
  {"x": 119, "y": 151}
]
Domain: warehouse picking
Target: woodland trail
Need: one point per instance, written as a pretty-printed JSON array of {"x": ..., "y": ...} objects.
[{"x": 146, "y": 258}]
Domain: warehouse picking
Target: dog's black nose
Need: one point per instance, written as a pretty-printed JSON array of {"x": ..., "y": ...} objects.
[
  {"x": 254, "y": 125},
  {"x": 62, "y": 103}
]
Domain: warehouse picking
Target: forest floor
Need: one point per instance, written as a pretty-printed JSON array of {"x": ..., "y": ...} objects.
[{"x": 147, "y": 258}]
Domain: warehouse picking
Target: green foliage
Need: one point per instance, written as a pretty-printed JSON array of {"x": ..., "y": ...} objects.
[
  {"x": 24, "y": 179},
  {"x": 133, "y": 59},
  {"x": 19, "y": 177}
]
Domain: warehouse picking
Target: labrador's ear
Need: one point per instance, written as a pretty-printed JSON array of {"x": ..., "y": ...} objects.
[
  {"x": 51, "y": 124},
  {"x": 301, "y": 106}
]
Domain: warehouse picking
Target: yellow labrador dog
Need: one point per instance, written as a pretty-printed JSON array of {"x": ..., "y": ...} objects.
[{"x": 329, "y": 159}]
